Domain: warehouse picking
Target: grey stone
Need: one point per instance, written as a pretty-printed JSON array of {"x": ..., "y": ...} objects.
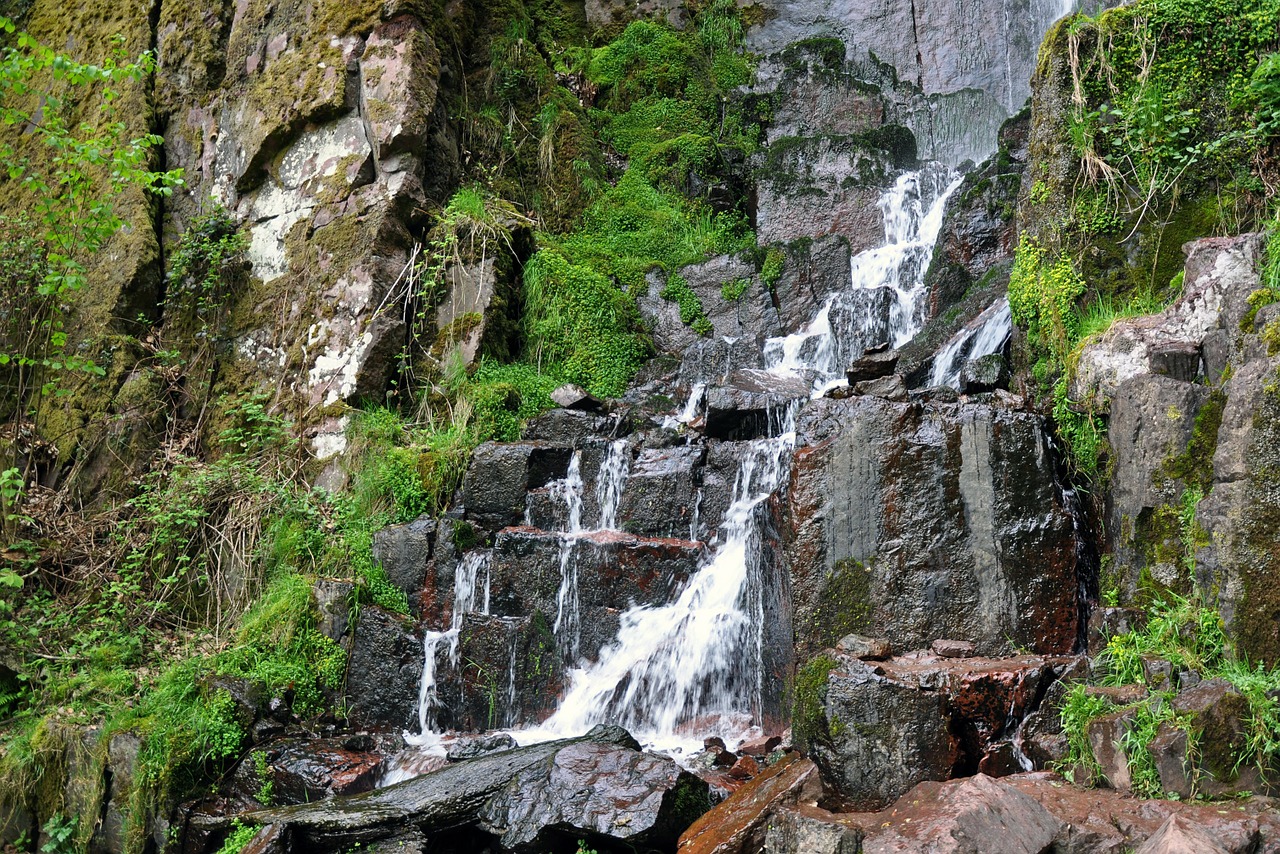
[
  {"x": 404, "y": 552},
  {"x": 996, "y": 562},
  {"x": 480, "y": 745},
  {"x": 889, "y": 388},
  {"x": 867, "y": 649},
  {"x": 873, "y": 364},
  {"x": 1179, "y": 836},
  {"x": 750, "y": 403},
  {"x": 953, "y": 648},
  {"x": 500, "y": 474},
  {"x": 575, "y": 397},
  {"x": 333, "y": 601},
  {"x": 570, "y": 427},
  {"x": 988, "y": 373},
  {"x": 810, "y": 830},
  {"x": 658, "y": 498},
  {"x": 384, "y": 671}
]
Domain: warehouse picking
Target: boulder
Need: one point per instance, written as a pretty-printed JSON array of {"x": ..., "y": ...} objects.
[
  {"x": 883, "y": 727},
  {"x": 889, "y": 388},
  {"x": 469, "y": 747},
  {"x": 953, "y": 648},
  {"x": 658, "y": 499},
  {"x": 611, "y": 791},
  {"x": 873, "y": 364},
  {"x": 570, "y": 427},
  {"x": 574, "y": 397},
  {"x": 300, "y": 770},
  {"x": 985, "y": 374},
  {"x": 1106, "y": 736},
  {"x": 804, "y": 829},
  {"x": 1179, "y": 836},
  {"x": 923, "y": 521},
  {"x": 977, "y": 815},
  {"x": 333, "y": 599},
  {"x": 599, "y": 791},
  {"x": 868, "y": 649},
  {"x": 749, "y": 404},
  {"x": 384, "y": 670},
  {"x": 500, "y": 474}
]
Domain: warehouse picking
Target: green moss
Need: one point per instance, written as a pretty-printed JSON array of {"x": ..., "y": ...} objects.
[
  {"x": 1258, "y": 555},
  {"x": 1194, "y": 466},
  {"x": 808, "y": 714}
]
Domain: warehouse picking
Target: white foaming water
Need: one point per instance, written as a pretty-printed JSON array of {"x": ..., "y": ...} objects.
[
  {"x": 913, "y": 210},
  {"x": 685, "y": 660},
  {"x": 984, "y": 336},
  {"x": 852, "y": 320},
  {"x": 613, "y": 477},
  {"x": 465, "y": 577}
]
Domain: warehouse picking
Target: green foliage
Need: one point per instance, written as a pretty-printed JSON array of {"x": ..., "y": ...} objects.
[
  {"x": 810, "y": 694},
  {"x": 1190, "y": 637},
  {"x": 677, "y": 290},
  {"x": 241, "y": 834},
  {"x": 1042, "y": 297},
  {"x": 202, "y": 271},
  {"x": 733, "y": 289},
  {"x": 771, "y": 271},
  {"x": 59, "y": 832}
]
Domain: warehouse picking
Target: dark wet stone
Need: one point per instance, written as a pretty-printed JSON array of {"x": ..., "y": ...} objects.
[
  {"x": 570, "y": 427},
  {"x": 750, "y": 403},
  {"x": 384, "y": 671},
  {"x": 404, "y": 552},
  {"x": 469, "y": 747},
  {"x": 987, "y": 374},
  {"x": 889, "y": 388},
  {"x": 658, "y": 498},
  {"x": 875, "y": 363},
  {"x": 740, "y": 823},
  {"x": 500, "y": 474}
]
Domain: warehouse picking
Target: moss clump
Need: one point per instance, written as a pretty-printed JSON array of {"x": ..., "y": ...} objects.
[
  {"x": 808, "y": 714},
  {"x": 1194, "y": 466}
]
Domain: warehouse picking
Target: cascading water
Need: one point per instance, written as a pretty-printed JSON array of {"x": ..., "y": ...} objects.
[
  {"x": 885, "y": 301},
  {"x": 685, "y": 659},
  {"x": 567, "y": 626},
  {"x": 987, "y": 334},
  {"x": 465, "y": 577}
]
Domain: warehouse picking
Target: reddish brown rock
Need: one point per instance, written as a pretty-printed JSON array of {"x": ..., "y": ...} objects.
[
  {"x": 738, "y": 825},
  {"x": 745, "y": 768},
  {"x": 1121, "y": 695},
  {"x": 952, "y": 648},
  {"x": 1179, "y": 836},
  {"x": 762, "y": 746}
]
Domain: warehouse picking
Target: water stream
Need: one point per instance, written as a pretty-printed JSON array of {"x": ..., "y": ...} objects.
[{"x": 986, "y": 335}]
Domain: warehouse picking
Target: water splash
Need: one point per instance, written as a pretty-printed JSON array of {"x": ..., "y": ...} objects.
[
  {"x": 567, "y": 627},
  {"x": 986, "y": 335},
  {"x": 611, "y": 480}
]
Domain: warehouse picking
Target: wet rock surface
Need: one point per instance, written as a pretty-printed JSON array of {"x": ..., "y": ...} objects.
[
  {"x": 384, "y": 670},
  {"x": 995, "y": 562},
  {"x": 599, "y": 785}
]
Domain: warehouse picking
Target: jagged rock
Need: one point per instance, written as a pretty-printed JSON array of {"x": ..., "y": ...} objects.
[
  {"x": 889, "y": 388},
  {"x": 804, "y": 829},
  {"x": 1106, "y": 736},
  {"x": 749, "y": 402},
  {"x": 333, "y": 601},
  {"x": 977, "y": 815},
  {"x": 384, "y": 670},
  {"x": 953, "y": 648},
  {"x": 744, "y": 768},
  {"x": 1220, "y": 715},
  {"x": 120, "y": 778},
  {"x": 986, "y": 374},
  {"x": 301, "y": 770},
  {"x": 739, "y": 824},
  {"x": 480, "y": 745},
  {"x": 996, "y": 563},
  {"x": 501, "y": 473},
  {"x": 577, "y": 398},
  {"x": 612, "y": 792},
  {"x": 886, "y": 726},
  {"x": 615, "y": 571},
  {"x": 1220, "y": 275},
  {"x": 1179, "y": 836},
  {"x": 868, "y": 649},
  {"x": 873, "y": 364},
  {"x": 404, "y": 552},
  {"x": 760, "y": 747},
  {"x": 600, "y": 790},
  {"x": 1106, "y": 623},
  {"x": 751, "y": 316},
  {"x": 570, "y": 427},
  {"x": 658, "y": 498}
]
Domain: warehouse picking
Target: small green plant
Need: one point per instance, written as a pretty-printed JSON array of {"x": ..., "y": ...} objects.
[
  {"x": 262, "y": 770},
  {"x": 240, "y": 836},
  {"x": 677, "y": 290},
  {"x": 733, "y": 289},
  {"x": 59, "y": 832}
]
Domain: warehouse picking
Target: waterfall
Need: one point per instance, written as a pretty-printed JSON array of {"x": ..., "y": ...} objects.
[
  {"x": 613, "y": 477},
  {"x": 986, "y": 335},
  {"x": 567, "y": 628},
  {"x": 673, "y": 662},
  {"x": 884, "y": 303},
  {"x": 465, "y": 577}
]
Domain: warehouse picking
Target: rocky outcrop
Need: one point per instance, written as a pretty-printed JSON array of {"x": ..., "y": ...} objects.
[
  {"x": 384, "y": 670},
  {"x": 876, "y": 729},
  {"x": 597, "y": 787},
  {"x": 924, "y": 521},
  {"x": 741, "y": 823}
]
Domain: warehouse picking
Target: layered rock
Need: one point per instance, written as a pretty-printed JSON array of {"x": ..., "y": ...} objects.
[{"x": 924, "y": 521}]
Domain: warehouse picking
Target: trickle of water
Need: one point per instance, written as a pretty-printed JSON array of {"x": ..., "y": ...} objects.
[
  {"x": 986, "y": 335},
  {"x": 566, "y": 628},
  {"x": 673, "y": 662},
  {"x": 465, "y": 577},
  {"x": 611, "y": 480}
]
